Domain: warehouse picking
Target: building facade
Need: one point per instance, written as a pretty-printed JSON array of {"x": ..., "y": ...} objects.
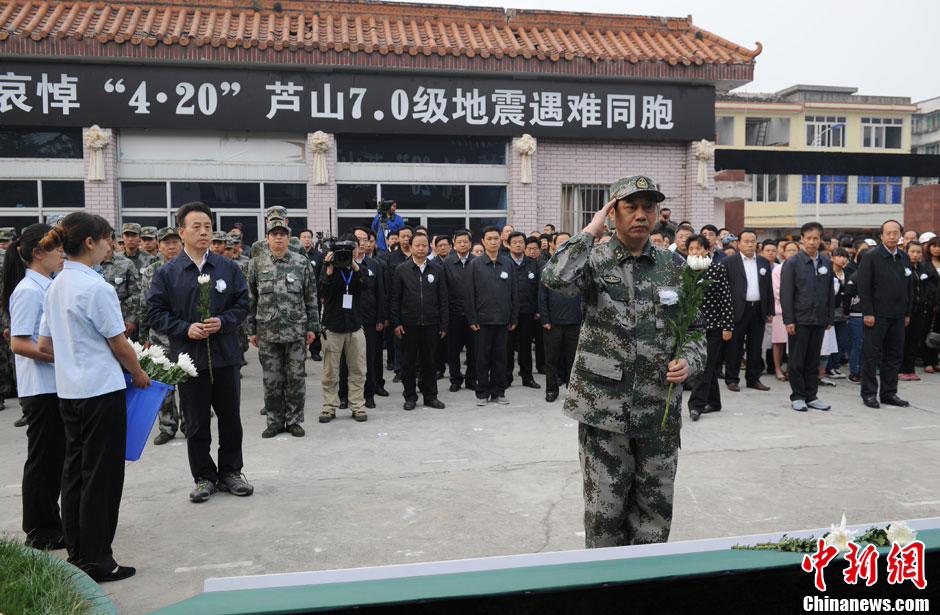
[
  {"x": 818, "y": 119},
  {"x": 464, "y": 116},
  {"x": 925, "y": 137}
]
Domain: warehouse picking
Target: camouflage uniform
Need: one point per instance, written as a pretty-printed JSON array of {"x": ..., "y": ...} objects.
[
  {"x": 169, "y": 417},
  {"x": 141, "y": 259},
  {"x": 618, "y": 387},
  {"x": 121, "y": 273},
  {"x": 7, "y": 368},
  {"x": 150, "y": 232},
  {"x": 242, "y": 263},
  {"x": 283, "y": 309}
]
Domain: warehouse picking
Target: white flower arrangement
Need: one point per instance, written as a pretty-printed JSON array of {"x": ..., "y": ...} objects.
[
  {"x": 840, "y": 536},
  {"x": 159, "y": 367},
  {"x": 204, "y": 279},
  {"x": 699, "y": 263},
  {"x": 901, "y": 533}
]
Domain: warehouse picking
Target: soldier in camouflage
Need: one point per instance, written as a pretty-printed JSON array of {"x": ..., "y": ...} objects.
[
  {"x": 148, "y": 242},
  {"x": 623, "y": 368},
  {"x": 271, "y": 213},
  {"x": 282, "y": 321},
  {"x": 231, "y": 243},
  {"x": 169, "y": 245},
  {"x": 121, "y": 273},
  {"x": 130, "y": 231},
  {"x": 7, "y": 368}
]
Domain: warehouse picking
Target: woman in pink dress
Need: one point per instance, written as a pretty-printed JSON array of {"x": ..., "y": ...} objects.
[{"x": 778, "y": 329}]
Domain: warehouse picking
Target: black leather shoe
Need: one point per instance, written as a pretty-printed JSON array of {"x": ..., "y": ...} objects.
[
  {"x": 871, "y": 402},
  {"x": 695, "y": 414},
  {"x": 409, "y": 405},
  {"x": 397, "y": 378},
  {"x": 733, "y": 386},
  {"x": 370, "y": 403},
  {"x": 344, "y": 404},
  {"x": 434, "y": 403},
  {"x": 20, "y": 422},
  {"x": 118, "y": 574},
  {"x": 454, "y": 387},
  {"x": 531, "y": 383},
  {"x": 316, "y": 356},
  {"x": 760, "y": 386},
  {"x": 381, "y": 392},
  {"x": 894, "y": 400},
  {"x": 551, "y": 396}
]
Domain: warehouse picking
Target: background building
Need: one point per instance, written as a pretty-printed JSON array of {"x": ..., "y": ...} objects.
[
  {"x": 818, "y": 119},
  {"x": 925, "y": 137}
]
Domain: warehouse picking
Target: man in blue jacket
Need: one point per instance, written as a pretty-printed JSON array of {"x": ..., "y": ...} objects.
[
  {"x": 173, "y": 310},
  {"x": 382, "y": 225}
]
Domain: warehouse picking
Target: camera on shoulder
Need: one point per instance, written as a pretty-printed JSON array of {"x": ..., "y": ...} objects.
[{"x": 342, "y": 251}]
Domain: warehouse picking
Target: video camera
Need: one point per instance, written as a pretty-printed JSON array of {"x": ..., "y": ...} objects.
[
  {"x": 384, "y": 207},
  {"x": 342, "y": 250}
]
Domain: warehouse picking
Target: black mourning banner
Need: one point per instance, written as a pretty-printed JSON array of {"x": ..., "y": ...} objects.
[{"x": 127, "y": 96}]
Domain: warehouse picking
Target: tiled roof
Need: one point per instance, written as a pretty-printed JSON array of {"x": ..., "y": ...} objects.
[{"x": 375, "y": 28}]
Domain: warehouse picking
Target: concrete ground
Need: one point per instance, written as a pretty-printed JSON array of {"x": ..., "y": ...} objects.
[{"x": 467, "y": 482}]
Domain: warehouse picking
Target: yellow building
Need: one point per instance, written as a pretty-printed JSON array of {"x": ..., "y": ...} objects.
[{"x": 821, "y": 119}]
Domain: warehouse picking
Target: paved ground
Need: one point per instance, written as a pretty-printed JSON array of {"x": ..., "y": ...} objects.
[{"x": 467, "y": 481}]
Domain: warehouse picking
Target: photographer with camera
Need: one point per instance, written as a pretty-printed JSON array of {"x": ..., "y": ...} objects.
[
  {"x": 340, "y": 287},
  {"x": 386, "y": 220}
]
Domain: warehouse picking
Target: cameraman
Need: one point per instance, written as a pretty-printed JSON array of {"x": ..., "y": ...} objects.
[
  {"x": 391, "y": 222},
  {"x": 340, "y": 285}
]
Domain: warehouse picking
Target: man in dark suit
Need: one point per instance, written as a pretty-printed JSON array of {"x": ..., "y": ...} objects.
[
  {"x": 172, "y": 310},
  {"x": 753, "y": 301},
  {"x": 885, "y": 290}
]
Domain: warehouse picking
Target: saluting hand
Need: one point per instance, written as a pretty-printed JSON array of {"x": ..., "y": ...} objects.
[{"x": 598, "y": 225}]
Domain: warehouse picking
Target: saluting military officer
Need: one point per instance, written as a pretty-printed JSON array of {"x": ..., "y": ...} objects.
[
  {"x": 283, "y": 321},
  {"x": 148, "y": 241},
  {"x": 169, "y": 245},
  {"x": 130, "y": 231},
  {"x": 623, "y": 367},
  {"x": 7, "y": 368},
  {"x": 121, "y": 273}
]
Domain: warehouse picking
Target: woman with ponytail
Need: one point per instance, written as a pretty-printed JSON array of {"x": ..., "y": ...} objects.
[
  {"x": 83, "y": 328},
  {"x": 27, "y": 274}
]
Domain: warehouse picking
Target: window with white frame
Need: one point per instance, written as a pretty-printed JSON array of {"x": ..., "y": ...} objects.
[
  {"x": 825, "y": 131},
  {"x": 767, "y": 131},
  {"x": 830, "y": 188},
  {"x": 579, "y": 203},
  {"x": 26, "y": 201},
  {"x": 768, "y": 188},
  {"x": 724, "y": 130},
  {"x": 879, "y": 190},
  {"x": 882, "y": 133}
]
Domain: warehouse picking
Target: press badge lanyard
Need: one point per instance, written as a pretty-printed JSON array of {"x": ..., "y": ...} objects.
[{"x": 347, "y": 298}]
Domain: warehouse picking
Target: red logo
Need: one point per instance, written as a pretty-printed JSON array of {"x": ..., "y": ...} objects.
[{"x": 907, "y": 564}]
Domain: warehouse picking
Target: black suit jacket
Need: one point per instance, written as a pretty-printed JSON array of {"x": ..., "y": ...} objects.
[{"x": 738, "y": 281}]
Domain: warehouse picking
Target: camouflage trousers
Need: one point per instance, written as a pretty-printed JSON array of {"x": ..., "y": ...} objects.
[
  {"x": 7, "y": 370},
  {"x": 169, "y": 416},
  {"x": 283, "y": 374},
  {"x": 628, "y": 486}
]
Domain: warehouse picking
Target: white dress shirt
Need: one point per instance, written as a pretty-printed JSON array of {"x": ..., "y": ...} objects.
[
  {"x": 750, "y": 270},
  {"x": 32, "y": 377}
]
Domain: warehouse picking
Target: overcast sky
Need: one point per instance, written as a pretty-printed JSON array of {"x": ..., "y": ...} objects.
[{"x": 884, "y": 48}]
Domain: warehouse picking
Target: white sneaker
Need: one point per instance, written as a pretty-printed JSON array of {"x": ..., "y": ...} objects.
[
  {"x": 799, "y": 405},
  {"x": 502, "y": 401},
  {"x": 818, "y": 404},
  {"x": 481, "y": 401}
]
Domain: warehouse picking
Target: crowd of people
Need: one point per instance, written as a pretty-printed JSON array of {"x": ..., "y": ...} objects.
[{"x": 421, "y": 307}]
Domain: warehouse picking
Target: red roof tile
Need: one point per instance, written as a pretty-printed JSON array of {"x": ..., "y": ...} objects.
[{"x": 375, "y": 27}]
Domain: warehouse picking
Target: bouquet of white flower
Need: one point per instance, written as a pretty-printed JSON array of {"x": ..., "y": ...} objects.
[{"x": 155, "y": 363}]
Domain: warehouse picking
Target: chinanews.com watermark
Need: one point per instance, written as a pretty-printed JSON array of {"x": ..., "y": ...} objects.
[{"x": 817, "y": 604}]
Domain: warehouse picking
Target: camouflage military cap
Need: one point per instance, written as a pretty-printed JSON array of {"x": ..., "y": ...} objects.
[
  {"x": 628, "y": 186},
  {"x": 53, "y": 219},
  {"x": 235, "y": 239},
  {"x": 7, "y": 233},
  {"x": 275, "y": 212},
  {"x": 236, "y": 232},
  {"x": 168, "y": 232},
  {"x": 148, "y": 232},
  {"x": 130, "y": 227},
  {"x": 229, "y": 242},
  {"x": 277, "y": 223},
  {"x": 218, "y": 236}
]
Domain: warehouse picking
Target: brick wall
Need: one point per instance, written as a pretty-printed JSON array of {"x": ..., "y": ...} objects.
[
  {"x": 673, "y": 165},
  {"x": 321, "y": 199},
  {"x": 101, "y": 197},
  {"x": 922, "y": 208}
]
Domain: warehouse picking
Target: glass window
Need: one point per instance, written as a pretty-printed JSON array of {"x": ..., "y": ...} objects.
[
  {"x": 579, "y": 203},
  {"x": 767, "y": 131},
  {"x": 157, "y": 221},
  {"x": 40, "y": 142},
  {"x": 724, "y": 131},
  {"x": 19, "y": 222},
  {"x": 445, "y": 226},
  {"x": 879, "y": 190},
  {"x": 488, "y": 197},
  {"x": 444, "y": 149},
  {"x": 247, "y": 223},
  {"x": 478, "y": 224},
  {"x": 768, "y": 188},
  {"x": 143, "y": 194},
  {"x": 425, "y": 196},
  {"x": 825, "y": 131},
  {"x": 63, "y": 194},
  {"x": 809, "y": 188},
  {"x": 291, "y": 196},
  {"x": 347, "y": 224},
  {"x": 356, "y": 196},
  {"x": 19, "y": 194},
  {"x": 833, "y": 189},
  {"x": 217, "y": 195}
]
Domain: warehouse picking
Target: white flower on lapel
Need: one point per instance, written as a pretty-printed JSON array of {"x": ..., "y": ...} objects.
[
  {"x": 763, "y": 270},
  {"x": 220, "y": 285},
  {"x": 823, "y": 270},
  {"x": 531, "y": 276},
  {"x": 142, "y": 270},
  {"x": 907, "y": 272},
  {"x": 118, "y": 280},
  {"x": 290, "y": 278},
  {"x": 504, "y": 275},
  {"x": 430, "y": 278},
  {"x": 668, "y": 296},
  {"x": 923, "y": 276}
]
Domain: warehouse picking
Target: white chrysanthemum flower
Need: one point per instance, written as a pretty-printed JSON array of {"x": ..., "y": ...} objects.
[
  {"x": 204, "y": 278},
  {"x": 138, "y": 349},
  {"x": 163, "y": 362},
  {"x": 901, "y": 533},
  {"x": 156, "y": 353},
  {"x": 840, "y": 536},
  {"x": 699, "y": 263},
  {"x": 185, "y": 363}
]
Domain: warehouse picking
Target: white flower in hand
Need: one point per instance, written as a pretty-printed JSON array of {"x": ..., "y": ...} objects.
[
  {"x": 185, "y": 363},
  {"x": 204, "y": 278},
  {"x": 839, "y": 536},
  {"x": 901, "y": 533},
  {"x": 138, "y": 349},
  {"x": 699, "y": 263},
  {"x": 156, "y": 353},
  {"x": 220, "y": 285},
  {"x": 667, "y": 296}
]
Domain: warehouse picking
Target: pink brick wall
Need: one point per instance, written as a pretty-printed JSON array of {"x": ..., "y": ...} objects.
[
  {"x": 101, "y": 197},
  {"x": 321, "y": 199},
  {"x": 673, "y": 165}
]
